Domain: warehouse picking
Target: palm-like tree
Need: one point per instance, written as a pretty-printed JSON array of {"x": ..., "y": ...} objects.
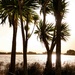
[
  {"x": 10, "y": 9},
  {"x": 45, "y": 35},
  {"x": 28, "y": 5},
  {"x": 59, "y": 8},
  {"x": 48, "y": 35},
  {"x": 7, "y": 10},
  {"x": 45, "y": 9}
]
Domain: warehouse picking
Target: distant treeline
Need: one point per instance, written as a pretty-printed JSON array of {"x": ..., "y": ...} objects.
[
  {"x": 18, "y": 52},
  {"x": 70, "y": 52},
  {"x": 30, "y": 52},
  {"x": 10, "y": 53}
]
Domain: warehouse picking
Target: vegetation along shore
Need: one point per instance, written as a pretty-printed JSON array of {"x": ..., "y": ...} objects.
[{"x": 36, "y": 69}]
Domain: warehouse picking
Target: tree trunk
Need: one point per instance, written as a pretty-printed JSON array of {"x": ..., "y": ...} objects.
[
  {"x": 44, "y": 16},
  {"x": 24, "y": 42},
  {"x": 58, "y": 16},
  {"x": 48, "y": 67},
  {"x": 58, "y": 40},
  {"x": 58, "y": 51},
  {"x": 49, "y": 56},
  {"x": 13, "y": 53},
  {"x": 49, "y": 60}
]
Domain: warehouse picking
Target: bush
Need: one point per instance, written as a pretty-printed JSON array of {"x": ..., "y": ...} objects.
[
  {"x": 37, "y": 69},
  {"x": 33, "y": 69},
  {"x": 68, "y": 70}
]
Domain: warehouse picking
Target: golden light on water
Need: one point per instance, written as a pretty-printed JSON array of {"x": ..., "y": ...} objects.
[{"x": 40, "y": 59}]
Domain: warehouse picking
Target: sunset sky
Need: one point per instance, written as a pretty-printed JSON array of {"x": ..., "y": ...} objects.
[{"x": 34, "y": 44}]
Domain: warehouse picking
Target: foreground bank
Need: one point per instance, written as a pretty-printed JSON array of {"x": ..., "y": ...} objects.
[{"x": 37, "y": 69}]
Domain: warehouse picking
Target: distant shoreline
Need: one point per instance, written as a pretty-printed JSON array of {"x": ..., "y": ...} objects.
[
  {"x": 28, "y": 53},
  {"x": 32, "y": 53},
  {"x": 22, "y": 54}
]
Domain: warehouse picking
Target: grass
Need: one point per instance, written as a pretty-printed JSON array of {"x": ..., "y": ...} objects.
[{"x": 37, "y": 69}]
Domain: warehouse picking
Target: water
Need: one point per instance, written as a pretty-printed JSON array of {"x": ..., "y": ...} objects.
[{"x": 39, "y": 58}]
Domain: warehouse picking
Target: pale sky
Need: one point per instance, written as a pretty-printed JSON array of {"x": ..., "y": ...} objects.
[{"x": 34, "y": 44}]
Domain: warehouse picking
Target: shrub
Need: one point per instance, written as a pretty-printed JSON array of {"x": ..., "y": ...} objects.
[
  {"x": 68, "y": 70},
  {"x": 35, "y": 69}
]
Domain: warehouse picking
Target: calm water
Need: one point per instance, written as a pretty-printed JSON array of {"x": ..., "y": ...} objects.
[{"x": 39, "y": 58}]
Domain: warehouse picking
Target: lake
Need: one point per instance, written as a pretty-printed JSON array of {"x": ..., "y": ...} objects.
[{"x": 39, "y": 58}]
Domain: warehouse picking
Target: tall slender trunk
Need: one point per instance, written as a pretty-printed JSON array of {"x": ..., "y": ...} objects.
[
  {"x": 24, "y": 42},
  {"x": 13, "y": 53},
  {"x": 58, "y": 39},
  {"x": 48, "y": 66},
  {"x": 58, "y": 48},
  {"x": 58, "y": 16},
  {"x": 26, "y": 45}
]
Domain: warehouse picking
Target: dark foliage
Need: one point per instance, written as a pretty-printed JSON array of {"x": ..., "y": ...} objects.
[
  {"x": 49, "y": 72},
  {"x": 37, "y": 69}
]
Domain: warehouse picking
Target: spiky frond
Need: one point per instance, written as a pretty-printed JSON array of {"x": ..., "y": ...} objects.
[
  {"x": 7, "y": 10},
  {"x": 64, "y": 31},
  {"x": 44, "y": 32},
  {"x": 62, "y": 10},
  {"x": 8, "y": 7}
]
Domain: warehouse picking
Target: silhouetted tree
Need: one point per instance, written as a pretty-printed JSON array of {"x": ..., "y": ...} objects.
[
  {"x": 59, "y": 7},
  {"x": 28, "y": 5},
  {"x": 7, "y": 10}
]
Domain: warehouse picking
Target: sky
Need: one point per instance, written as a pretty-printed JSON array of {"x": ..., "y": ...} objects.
[{"x": 34, "y": 44}]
